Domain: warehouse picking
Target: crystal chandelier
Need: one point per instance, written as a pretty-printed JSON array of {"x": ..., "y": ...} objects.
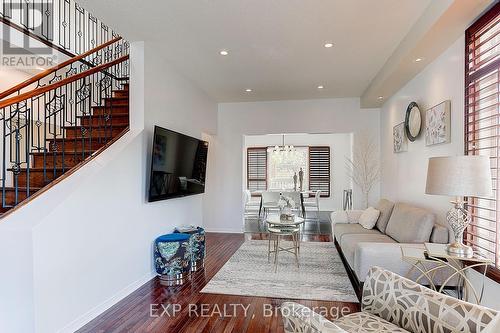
[{"x": 284, "y": 154}]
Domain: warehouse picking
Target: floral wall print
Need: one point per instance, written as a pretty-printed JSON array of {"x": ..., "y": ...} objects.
[
  {"x": 437, "y": 124},
  {"x": 400, "y": 139}
]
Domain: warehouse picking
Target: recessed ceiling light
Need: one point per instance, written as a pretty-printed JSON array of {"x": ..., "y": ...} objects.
[
  {"x": 418, "y": 60},
  {"x": 248, "y": 90},
  {"x": 320, "y": 87},
  {"x": 223, "y": 53},
  {"x": 381, "y": 97},
  {"x": 328, "y": 45}
]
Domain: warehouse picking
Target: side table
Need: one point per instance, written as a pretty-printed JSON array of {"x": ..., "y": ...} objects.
[{"x": 433, "y": 257}]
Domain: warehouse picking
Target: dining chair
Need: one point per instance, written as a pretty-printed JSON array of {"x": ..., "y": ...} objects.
[
  {"x": 270, "y": 201},
  {"x": 250, "y": 207},
  {"x": 314, "y": 205}
]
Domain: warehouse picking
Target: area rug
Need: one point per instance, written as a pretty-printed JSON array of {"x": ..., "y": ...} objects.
[{"x": 321, "y": 275}]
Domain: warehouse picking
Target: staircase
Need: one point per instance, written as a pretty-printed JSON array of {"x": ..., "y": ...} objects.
[{"x": 57, "y": 121}]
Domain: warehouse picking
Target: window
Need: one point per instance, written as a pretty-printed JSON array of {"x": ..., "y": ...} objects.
[
  {"x": 266, "y": 172},
  {"x": 257, "y": 169},
  {"x": 281, "y": 172},
  {"x": 319, "y": 170},
  {"x": 482, "y": 125}
]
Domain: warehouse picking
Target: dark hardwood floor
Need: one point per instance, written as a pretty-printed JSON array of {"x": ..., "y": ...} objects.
[{"x": 197, "y": 312}]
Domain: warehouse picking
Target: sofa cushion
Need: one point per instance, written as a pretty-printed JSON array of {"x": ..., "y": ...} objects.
[
  {"x": 440, "y": 234},
  {"x": 340, "y": 230},
  {"x": 369, "y": 217},
  {"x": 346, "y": 216},
  {"x": 409, "y": 224},
  {"x": 385, "y": 207},
  {"x": 349, "y": 242},
  {"x": 363, "y": 322}
]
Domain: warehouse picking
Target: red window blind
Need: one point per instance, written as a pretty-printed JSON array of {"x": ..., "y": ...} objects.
[
  {"x": 482, "y": 125},
  {"x": 257, "y": 169},
  {"x": 319, "y": 170}
]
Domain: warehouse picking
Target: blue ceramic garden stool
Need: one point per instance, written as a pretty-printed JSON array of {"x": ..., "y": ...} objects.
[
  {"x": 173, "y": 258},
  {"x": 197, "y": 247}
]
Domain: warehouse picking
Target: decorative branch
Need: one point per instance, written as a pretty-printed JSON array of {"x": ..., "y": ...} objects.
[{"x": 364, "y": 166}]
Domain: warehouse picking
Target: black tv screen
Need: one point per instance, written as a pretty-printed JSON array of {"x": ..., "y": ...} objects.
[{"x": 178, "y": 165}]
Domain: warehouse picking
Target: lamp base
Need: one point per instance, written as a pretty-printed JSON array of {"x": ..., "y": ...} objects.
[
  {"x": 459, "y": 249},
  {"x": 458, "y": 218}
]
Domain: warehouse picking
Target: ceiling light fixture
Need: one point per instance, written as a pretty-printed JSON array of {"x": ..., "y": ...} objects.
[
  {"x": 285, "y": 154},
  {"x": 223, "y": 53},
  {"x": 328, "y": 45},
  {"x": 320, "y": 87},
  {"x": 418, "y": 60},
  {"x": 248, "y": 90},
  {"x": 381, "y": 97}
]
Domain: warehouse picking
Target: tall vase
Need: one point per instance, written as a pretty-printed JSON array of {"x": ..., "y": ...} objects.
[
  {"x": 285, "y": 213},
  {"x": 347, "y": 200}
]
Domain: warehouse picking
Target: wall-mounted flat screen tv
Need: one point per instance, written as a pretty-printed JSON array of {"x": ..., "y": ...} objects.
[{"x": 178, "y": 165}]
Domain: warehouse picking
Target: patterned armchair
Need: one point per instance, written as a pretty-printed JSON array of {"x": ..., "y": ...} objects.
[{"x": 392, "y": 303}]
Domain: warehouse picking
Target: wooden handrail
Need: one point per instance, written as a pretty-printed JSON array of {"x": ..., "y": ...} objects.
[
  {"x": 51, "y": 70},
  {"x": 41, "y": 90}
]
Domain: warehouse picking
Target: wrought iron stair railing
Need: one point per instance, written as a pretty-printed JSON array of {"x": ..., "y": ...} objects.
[
  {"x": 92, "y": 58},
  {"x": 62, "y": 25},
  {"x": 53, "y": 122}
]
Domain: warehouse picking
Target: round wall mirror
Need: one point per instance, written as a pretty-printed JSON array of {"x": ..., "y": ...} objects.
[{"x": 413, "y": 121}]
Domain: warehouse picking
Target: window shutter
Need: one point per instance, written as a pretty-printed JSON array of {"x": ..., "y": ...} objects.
[
  {"x": 319, "y": 170},
  {"x": 257, "y": 169},
  {"x": 482, "y": 124}
]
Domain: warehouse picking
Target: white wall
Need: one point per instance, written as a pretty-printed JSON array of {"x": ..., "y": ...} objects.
[
  {"x": 90, "y": 237},
  {"x": 235, "y": 120},
  {"x": 340, "y": 147},
  {"x": 16, "y": 249},
  {"x": 404, "y": 175},
  {"x": 9, "y": 77},
  {"x": 17, "y": 309}
]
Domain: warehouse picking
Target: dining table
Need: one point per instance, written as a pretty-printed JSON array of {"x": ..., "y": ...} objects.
[{"x": 305, "y": 193}]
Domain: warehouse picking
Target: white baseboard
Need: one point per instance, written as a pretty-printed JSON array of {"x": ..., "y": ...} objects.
[
  {"x": 99, "y": 309},
  {"x": 224, "y": 231}
]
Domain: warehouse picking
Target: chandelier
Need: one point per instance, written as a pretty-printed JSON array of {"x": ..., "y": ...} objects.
[{"x": 284, "y": 154}]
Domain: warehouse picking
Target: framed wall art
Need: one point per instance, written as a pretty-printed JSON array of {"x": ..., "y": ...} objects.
[
  {"x": 438, "y": 124},
  {"x": 399, "y": 138}
]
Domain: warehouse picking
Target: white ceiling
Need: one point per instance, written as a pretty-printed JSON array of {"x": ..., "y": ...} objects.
[{"x": 275, "y": 46}]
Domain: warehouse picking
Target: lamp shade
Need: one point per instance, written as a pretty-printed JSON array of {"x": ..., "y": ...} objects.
[{"x": 459, "y": 176}]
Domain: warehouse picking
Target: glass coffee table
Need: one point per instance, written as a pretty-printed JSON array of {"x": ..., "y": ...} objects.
[
  {"x": 433, "y": 257},
  {"x": 278, "y": 228}
]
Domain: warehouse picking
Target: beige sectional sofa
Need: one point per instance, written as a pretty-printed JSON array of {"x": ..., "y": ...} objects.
[{"x": 398, "y": 224}]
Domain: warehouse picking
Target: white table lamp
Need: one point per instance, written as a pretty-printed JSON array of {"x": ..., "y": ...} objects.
[{"x": 459, "y": 176}]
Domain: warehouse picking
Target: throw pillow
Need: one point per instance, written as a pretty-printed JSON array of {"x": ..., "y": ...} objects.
[{"x": 369, "y": 218}]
